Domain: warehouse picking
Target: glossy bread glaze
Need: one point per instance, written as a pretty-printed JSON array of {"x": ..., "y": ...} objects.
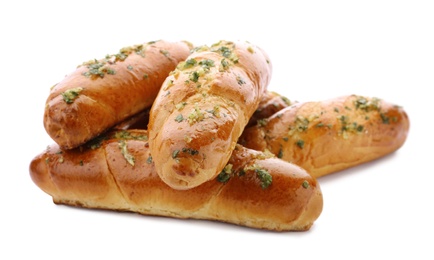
[
  {"x": 117, "y": 172},
  {"x": 331, "y": 135},
  {"x": 102, "y": 93},
  {"x": 202, "y": 109}
]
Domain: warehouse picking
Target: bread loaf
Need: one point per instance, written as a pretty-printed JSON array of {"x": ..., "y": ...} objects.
[
  {"x": 116, "y": 172},
  {"x": 331, "y": 135},
  {"x": 202, "y": 109},
  {"x": 102, "y": 93}
]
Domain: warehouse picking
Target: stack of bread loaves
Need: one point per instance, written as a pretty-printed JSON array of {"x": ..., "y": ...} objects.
[{"x": 169, "y": 129}]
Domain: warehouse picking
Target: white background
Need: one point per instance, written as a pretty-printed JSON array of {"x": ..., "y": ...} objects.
[{"x": 319, "y": 49}]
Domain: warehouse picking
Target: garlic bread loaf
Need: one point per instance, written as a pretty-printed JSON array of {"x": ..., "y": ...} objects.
[
  {"x": 102, "y": 93},
  {"x": 331, "y": 135},
  {"x": 116, "y": 172},
  {"x": 202, "y": 109}
]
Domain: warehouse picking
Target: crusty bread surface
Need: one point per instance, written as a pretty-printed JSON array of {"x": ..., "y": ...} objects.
[
  {"x": 202, "y": 109},
  {"x": 101, "y": 93},
  {"x": 117, "y": 172},
  {"x": 331, "y": 135}
]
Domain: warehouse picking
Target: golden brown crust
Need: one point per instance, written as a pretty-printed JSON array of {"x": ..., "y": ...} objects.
[
  {"x": 202, "y": 109},
  {"x": 332, "y": 135},
  {"x": 119, "y": 174},
  {"x": 102, "y": 93}
]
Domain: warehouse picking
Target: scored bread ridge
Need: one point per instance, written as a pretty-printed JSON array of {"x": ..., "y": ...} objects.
[
  {"x": 202, "y": 109},
  {"x": 331, "y": 135},
  {"x": 118, "y": 173},
  {"x": 101, "y": 93}
]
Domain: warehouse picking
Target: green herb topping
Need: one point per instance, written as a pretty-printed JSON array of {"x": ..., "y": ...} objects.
[
  {"x": 386, "y": 119},
  {"x": 215, "y": 111},
  {"x": 181, "y": 105},
  {"x": 175, "y": 154},
  {"x": 300, "y": 143},
  {"x": 206, "y": 64},
  {"x": 225, "y": 48},
  {"x": 179, "y": 118},
  {"x": 240, "y": 81},
  {"x": 98, "y": 68},
  {"x": 301, "y": 124},
  {"x": 71, "y": 94},
  {"x": 225, "y": 174},
  {"x": 224, "y": 65},
  {"x": 262, "y": 122},
  {"x": 349, "y": 127},
  {"x": 165, "y": 53},
  {"x": 190, "y": 151},
  {"x": 124, "y": 150},
  {"x": 123, "y": 134},
  {"x": 149, "y": 160},
  {"x": 196, "y": 115},
  {"x": 194, "y": 76},
  {"x": 286, "y": 100},
  {"x": 264, "y": 176},
  {"x": 367, "y": 104},
  {"x": 189, "y": 63}
]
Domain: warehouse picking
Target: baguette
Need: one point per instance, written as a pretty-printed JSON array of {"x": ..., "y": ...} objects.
[
  {"x": 102, "y": 93},
  {"x": 117, "y": 172},
  {"x": 331, "y": 135},
  {"x": 203, "y": 107}
]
